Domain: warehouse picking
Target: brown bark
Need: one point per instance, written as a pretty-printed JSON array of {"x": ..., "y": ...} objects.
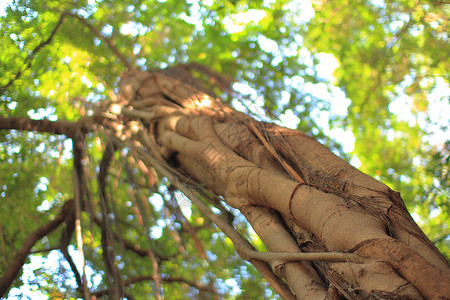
[
  {"x": 56, "y": 127},
  {"x": 332, "y": 231},
  {"x": 298, "y": 195},
  {"x": 14, "y": 267}
]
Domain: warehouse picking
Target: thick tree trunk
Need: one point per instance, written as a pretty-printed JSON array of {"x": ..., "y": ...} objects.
[{"x": 298, "y": 196}]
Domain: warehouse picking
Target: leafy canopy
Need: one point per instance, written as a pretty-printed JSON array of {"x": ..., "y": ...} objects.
[{"x": 59, "y": 59}]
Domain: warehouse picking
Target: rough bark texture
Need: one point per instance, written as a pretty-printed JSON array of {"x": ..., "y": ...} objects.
[{"x": 298, "y": 195}]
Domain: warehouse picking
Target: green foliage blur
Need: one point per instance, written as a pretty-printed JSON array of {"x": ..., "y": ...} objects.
[{"x": 389, "y": 93}]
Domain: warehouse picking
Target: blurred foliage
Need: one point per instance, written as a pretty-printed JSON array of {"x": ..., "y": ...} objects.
[
  {"x": 388, "y": 53},
  {"x": 394, "y": 68}
]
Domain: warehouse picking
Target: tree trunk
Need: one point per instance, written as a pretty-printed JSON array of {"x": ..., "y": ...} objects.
[{"x": 332, "y": 231}]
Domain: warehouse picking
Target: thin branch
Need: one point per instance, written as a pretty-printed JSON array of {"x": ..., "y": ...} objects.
[
  {"x": 73, "y": 267},
  {"x": 115, "y": 210},
  {"x": 402, "y": 30},
  {"x": 169, "y": 279},
  {"x": 130, "y": 246},
  {"x": 66, "y": 236},
  {"x": 175, "y": 209},
  {"x": 47, "y": 250},
  {"x": 104, "y": 39},
  {"x": 405, "y": 27},
  {"x": 28, "y": 60},
  {"x": 223, "y": 82},
  {"x": 441, "y": 238},
  {"x": 145, "y": 223},
  {"x": 14, "y": 267},
  {"x": 284, "y": 257}
]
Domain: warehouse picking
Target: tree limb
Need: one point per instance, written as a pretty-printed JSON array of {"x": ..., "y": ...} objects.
[
  {"x": 175, "y": 209},
  {"x": 30, "y": 56},
  {"x": 283, "y": 257},
  {"x": 13, "y": 269},
  {"x": 145, "y": 223},
  {"x": 104, "y": 39},
  {"x": 73, "y": 267},
  {"x": 130, "y": 246},
  {"x": 138, "y": 279},
  {"x": 116, "y": 285},
  {"x": 66, "y": 236},
  {"x": 78, "y": 178},
  {"x": 67, "y": 128}
]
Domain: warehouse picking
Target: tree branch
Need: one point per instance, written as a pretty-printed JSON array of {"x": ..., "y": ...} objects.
[
  {"x": 175, "y": 209},
  {"x": 138, "y": 279},
  {"x": 66, "y": 236},
  {"x": 12, "y": 270},
  {"x": 54, "y": 127},
  {"x": 116, "y": 284},
  {"x": 28, "y": 60},
  {"x": 79, "y": 191},
  {"x": 145, "y": 223},
  {"x": 284, "y": 257},
  {"x": 30, "y": 56},
  {"x": 130, "y": 246},
  {"x": 104, "y": 39},
  {"x": 73, "y": 267}
]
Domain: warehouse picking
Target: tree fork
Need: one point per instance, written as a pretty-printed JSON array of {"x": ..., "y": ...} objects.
[{"x": 14, "y": 267}]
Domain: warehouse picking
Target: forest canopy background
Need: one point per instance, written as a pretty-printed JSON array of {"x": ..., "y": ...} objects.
[{"x": 384, "y": 108}]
